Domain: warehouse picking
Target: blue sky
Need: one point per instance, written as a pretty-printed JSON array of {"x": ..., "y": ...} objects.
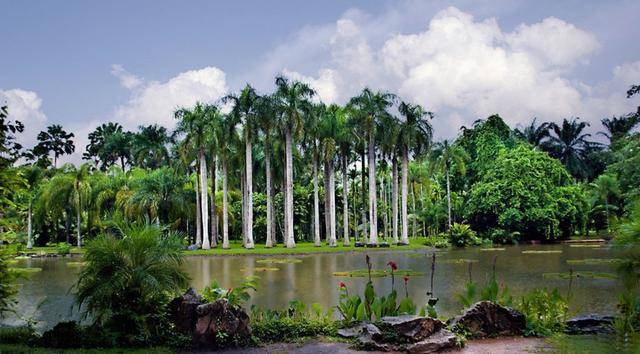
[{"x": 81, "y": 63}]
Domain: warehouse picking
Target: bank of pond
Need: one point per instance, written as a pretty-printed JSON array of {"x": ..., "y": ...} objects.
[{"x": 288, "y": 297}]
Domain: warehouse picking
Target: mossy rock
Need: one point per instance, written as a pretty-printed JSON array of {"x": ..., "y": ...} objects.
[
  {"x": 376, "y": 273},
  {"x": 541, "y": 251},
  {"x": 260, "y": 269},
  {"x": 588, "y": 275},
  {"x": 594, "y": 261},
  {"x": 279, "y": 260}
]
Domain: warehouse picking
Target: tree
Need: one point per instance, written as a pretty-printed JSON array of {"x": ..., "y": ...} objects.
[
  {"x": 156, "y": 193},
  {"x": 328, "y": 132},
  {"x": 605, "y": 187},
  {"x": 245, "y": 111},
  {"x": 311, "y": 135},
  {"x": 292, "y": 101},
  {"x": 570, "y": 145},
  {"x": 55, "y": 140},
  {"x": 129, "y": 277},
  {"x": 618, "y": 127},
  {"x": 149, "y": 147},
  {"x": 97, "y": 138},
  {"x": 415, "y": 134},
  {"x": 33, "y": 175},
  {"x": 445, "y": 158},
  {"x": 372, "y": 106},
  {"x": 533, "y": 133},
  {"x": 195, "y": 123},
  {"x": 266, "y": 121},
  {"x": 344, "y": 138}
]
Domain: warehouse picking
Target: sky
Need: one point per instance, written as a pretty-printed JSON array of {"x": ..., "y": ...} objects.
[{"x": 83, "y": 63}]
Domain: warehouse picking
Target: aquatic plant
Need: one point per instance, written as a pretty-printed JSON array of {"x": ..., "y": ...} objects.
[
  {"x": 279, "y": 260},
  {"x": 545, "y": 312},
  {"x": 237, "y": 296},
  {"x": 586, "y": 274},
  {"x": 541, "y": 251}
]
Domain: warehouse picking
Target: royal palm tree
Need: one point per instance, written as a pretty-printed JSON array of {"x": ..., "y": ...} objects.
[
  {"x": 444, "y": 158},
  {"x": 534, "y": 133},
  {"x": 292, "y": 101},
  {"x": 266, "y": 121},
  {"x": 33, "y": 176},
  {"x": 372, "y": 105},
  {"x": 226, "y": 138},
  {"x": 328, "y": 131},
  {"x": 569, "y": 144},
  {"x": 311, "y": 135},
  {"x": 344, "y": 138},
  {"x": 415, "y": 133},
  {"x": 389, "y": 141},
  {"x": 195, "y": 123}
]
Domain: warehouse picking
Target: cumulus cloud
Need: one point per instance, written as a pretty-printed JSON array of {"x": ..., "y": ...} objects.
[
  {"x": 154, "y": 102},
  {"x": 466, "y": 68},
  {"x": 127, "y": 79},
  {"x": 26, "y": 107}
]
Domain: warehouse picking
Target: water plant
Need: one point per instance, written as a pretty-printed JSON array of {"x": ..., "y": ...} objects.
[
  {"x": 461, "y": 235},
  {"x": 545, "y": 311},
  {"x": 237, "y": 296}
]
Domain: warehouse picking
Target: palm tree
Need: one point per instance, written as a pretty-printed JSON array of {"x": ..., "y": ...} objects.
[
  {"x": 415, "y": 134},
  {"x": 344, "y": 138},
  {"x": 292, "y": 100},
  {"x": 328, "y": 131},
  {"x": 570, "y": 145},
  {"x": 33, "y": 175},
  {"x": 226, "y": 138},
  {"x": 149, "y": 148},
  {"x": 606, "y": 187},
  {"x": 266, "y": 122},
  {"x": 159, "y": 193},
  {"x": 196, "y": 125},
  {"x": 389, "y": 144},
  {"x": 445, "y": 157},
  {"x": 245, "y": 110},
  {"x": 372, "y": 106},
  {"x": 54, "y": 140},
  {"x": 618, "y": 127},
  {"x": 311, "y": 134},
  {"x": 533, "y": 133}
]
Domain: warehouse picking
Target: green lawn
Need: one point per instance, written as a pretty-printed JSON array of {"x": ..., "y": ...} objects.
[{"x": 21, "y": 348}]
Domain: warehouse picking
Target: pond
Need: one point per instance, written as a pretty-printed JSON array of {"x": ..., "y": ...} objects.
[{"x": 46, "y": 297}]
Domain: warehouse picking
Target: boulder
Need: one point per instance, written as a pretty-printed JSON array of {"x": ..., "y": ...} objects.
[
  {"x": 221, "y": 324},
  {"x": 488, "y": 319},
  {"x": 371, "y": 339},
  {"x": 351, "y": 332},
  {"x": 440, "y": 341},
  {"x": 182, "y": 311},
  {"x": 413, "y": 328},
  {"x": 590, "y": 324}
]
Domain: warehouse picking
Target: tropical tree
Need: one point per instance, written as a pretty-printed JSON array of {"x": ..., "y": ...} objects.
[
  {"x": 292, "y": 101},
  {"x": 569, "y": 144},
  {"x": 535, "y": 134},
  {"x": 157, "y": 193},
  {"x": 33, "y": 176},
  {"x": 129, "y": 277},
  {"x": 149, "y": 146},
  {"x": 618, "y": 127},
  {"x": 328, "y": 131},
  {"x": 415, "y": 133},
  {"x": 245, "y": 111},
  {"x": 606, "y": 187},
  {"x": 445, "y": 158},
  {"x": 54, "y": 140},
  {"x": 344, "y": 139},
  {"x": 195, "y": 123},
  {"x": 266, "y": 121},
  {"x": 372, "y": 106},
  {"x": 97, "y": 140},
  {"x": 311, "y": 135},
  {"x": 226, "y": 137}
]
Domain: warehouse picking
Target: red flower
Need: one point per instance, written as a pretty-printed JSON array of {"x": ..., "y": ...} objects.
[
  {"x": 406, "y": 279},
  {"x": 342, "y": 285},
  {"x": 393, "y": 265}
]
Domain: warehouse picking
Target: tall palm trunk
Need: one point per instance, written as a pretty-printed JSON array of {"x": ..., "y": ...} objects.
[
  {"x": 394, "y": 199},
  {"x": 214, "y": 214},
  {"x": 267, "y": 163},
  {"x": 29, "y": 225},
  {"x": 290, "y": 241},
  {"x": 203, "y": 200},
  {"x": 198, "y": 215},
  {"x": 448, "y": 199},
  {"x": 373, "y": 207},
  {"x": 330, "y": 210},
  {"x": 405, "y": 217},
  {"x": 364, "y": 201},
  {"x": 413, "y": 206},
  {"x": 345, "y": 202},
  {"x": 316, "y": 199},
  {"x": 383, "y": 197},
  {"x": 249, "y": 192},
  {"x": 424, "y": 225},
  {"x": 225, "y": 206},
  {"x": 78, "y": 224}
]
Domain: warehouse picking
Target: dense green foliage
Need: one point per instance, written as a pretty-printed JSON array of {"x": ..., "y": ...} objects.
[
  {"x": 236, "y": 296},
  {"x": 545, "y": 311},
  {"x": 293, "y": 323}
]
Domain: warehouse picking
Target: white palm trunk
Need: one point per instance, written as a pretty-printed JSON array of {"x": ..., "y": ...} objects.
[
  {"x": 29, "y": 226},
  {"x": 267, "y": 163},
  {"x": 331, "y": 210},
  {"x": 249, "y": 192},
  {"x": 198, "y": 215},
  {"x": 383, "y": 197},
  {"x": 78, "y": 221},
  {"x": 413, "y": 206},
  {"x": 204, "y": 202},
  {"x": 373, "y": 208},
  {"x": 290, "y": 240},
  {"x": 316, "y": 201},
  {"x": 448, "y": 199},
  {"x": 225, "y": 207},
  {"x": 345, "y": 203},
  {"x": 404, "y": 190},
  {"x": 214, "y": 214}
]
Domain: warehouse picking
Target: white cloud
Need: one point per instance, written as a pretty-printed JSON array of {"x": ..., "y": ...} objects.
[
  {"x": 26, "y": 107},
  {"x": 127, "y": 79},
  {"x": 154, "y": 102}
]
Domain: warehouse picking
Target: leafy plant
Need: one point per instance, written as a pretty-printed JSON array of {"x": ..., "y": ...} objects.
[
  {"x": 461, "y": 235},
  {"x": 292, "y": 324},
  {"x": 7, "y": 285},
  {"x": 237, "y": 296},
  {"x": 545, "y": 312},
  {"x": 63, "y": 248}
]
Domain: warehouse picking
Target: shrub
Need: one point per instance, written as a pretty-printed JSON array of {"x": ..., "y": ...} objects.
[
  {"x": 17, "y": 335},
  {"x": 235, "y": 296},
  {"x": 545, "y": 312},
  {"x": 62, "y": 335},
  {"x": 461, "y": 235},
  {"x": 502, "y": 236},
  {"x": 63, "y": 248},
  {"x": 7, "y": 286},
  {"x": 292, "y": 323},
  {"x": 440, "y": 241}
]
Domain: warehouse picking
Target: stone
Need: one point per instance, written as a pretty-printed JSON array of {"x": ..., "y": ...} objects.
[
  {"x": 351, "y": 332},
  {"x": 221, "y": 324},
  {"x": 371, "y": 338},
  {"x": 442, "y": 340},
  {"x": 413, "y": 328},
  {"x": 182, "y": 311},
  {"x": 358, "y": 244},
  {"x": 192, "y": 247},
  {"x": 488, "y": 319},
  {"x": 590, "y": 324}
]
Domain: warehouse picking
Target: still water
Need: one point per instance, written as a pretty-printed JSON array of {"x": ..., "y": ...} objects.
[{"x": 46, "y": 296}]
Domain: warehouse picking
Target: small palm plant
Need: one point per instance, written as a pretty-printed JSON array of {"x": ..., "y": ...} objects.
[{"x": 130, "y": 276}]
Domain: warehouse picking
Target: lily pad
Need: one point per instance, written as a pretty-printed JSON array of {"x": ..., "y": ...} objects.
[
  {"x": 279, "y": 260},
  {"x": 594, "y": 261},
  {"x": 585, "y": 246},
  {"x": 21, "y": 257},
  {"x": 493, "y": 249},
  {"x": 589, "y": 275},
  {"x": 24, "y": 271},
  {"x": 260, "y": 269},
  {"x": 541, "y": 251},
  {"x": 76, "y": 264},
  {"x": 376, "y": 273},
  {"x": 457, "y": 261}
]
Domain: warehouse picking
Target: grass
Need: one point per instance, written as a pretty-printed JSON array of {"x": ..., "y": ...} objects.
[
  {"x": 589, "y": 275},
  {"x": 21, "y": 348},
  {"x": 594, "y": 261},
  {"x": 376, "y": 273}
]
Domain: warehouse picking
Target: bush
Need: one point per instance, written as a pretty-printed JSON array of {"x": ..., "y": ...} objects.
[
  {"x": 292, "y": 324},
  {"x": 461, "y": 235},
  {"x": 545, "y": 312},
  {"x": 501, "y": 236},
  {"x": 17, "y": 335},
  {"x": 63, "y": 248},
  {"x": 235, "y": 296},
  {"x": 7, "y": 286},
  {"x": 440, "y": 241},
  {"x": 62, "y": 335}
]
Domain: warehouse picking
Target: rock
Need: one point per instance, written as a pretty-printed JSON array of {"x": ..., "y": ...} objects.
[
  {"x": 402, "y": 244},
  {"x": 351, "y": 332},
  {"x": 384, "y": 245},
  {"x": 488, "y": 319},
  {"x": 358, "y": 244},
  {"x": 192, "y": 247},
  {"x": 414, "y": 328},
  {"x": 182, "y": 311},
  {"x": 437, "y": 342},
  {"x": 221, "y": 324},
  {"x": 590, "y": 324},
  {"x": 371, "y": 338}
]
